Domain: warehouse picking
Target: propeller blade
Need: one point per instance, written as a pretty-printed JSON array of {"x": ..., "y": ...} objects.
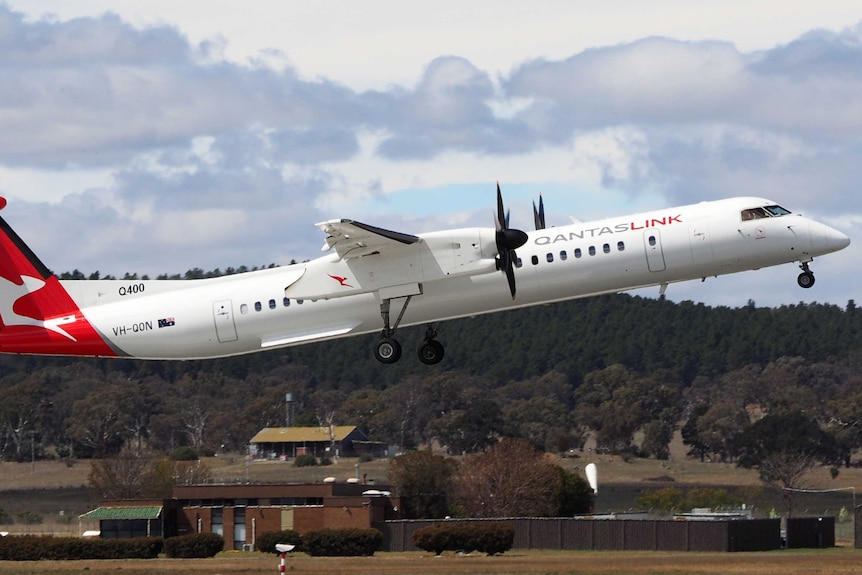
[
  {"x": 510, "y": 276},
  {"x": 501, "y": 220},
  {"x": 539, "y": 215},
  {"x": 508, "y": 240}
]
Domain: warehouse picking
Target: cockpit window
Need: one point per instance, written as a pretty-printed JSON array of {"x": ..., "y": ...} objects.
[
  {"x": 754, "y": 214},
  {"x": 777, "y": 211},
  {"x": 764, "y": 212}
]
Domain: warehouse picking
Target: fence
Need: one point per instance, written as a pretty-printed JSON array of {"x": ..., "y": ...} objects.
[
  {"x": 810, "y": 532},
  {"x": 614, "y": 534}
]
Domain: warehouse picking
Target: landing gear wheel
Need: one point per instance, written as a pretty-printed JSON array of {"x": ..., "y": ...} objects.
[
  {"x": 387, "y": 350},
  {"x": 805, "y": 279},
  {"x": 431, "y": 352}
]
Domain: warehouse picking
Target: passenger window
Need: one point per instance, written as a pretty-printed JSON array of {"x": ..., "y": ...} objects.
[
  {"x": 299, "y": 301},
  {"x": 257, "y": 306},
  {"x": 578, "y": 252},
  {"x": 286, "y": 302},
  {"x": 535, "y": 260},
  {"x": 592, "y": 250},
  {"x": 621, "y": 246},
  {"x": 243, "y": 309},
  {"x": 550, "y": 257},
  {"x": 606, "y": 248},
  {"x": 652, "y": 241},
  {"x": 272, "y": 304},
  {"x": 563, "y": 255},
  {"x": 519, "y": 262}
]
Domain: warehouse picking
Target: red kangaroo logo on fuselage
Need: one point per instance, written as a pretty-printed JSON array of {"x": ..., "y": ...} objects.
[{"x": 341, "y": 281}]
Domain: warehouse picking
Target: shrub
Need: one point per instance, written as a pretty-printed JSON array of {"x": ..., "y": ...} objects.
[
  {"x": 265, "y": 542},
  {"x": 39, "y": 547},
  {"x": 490, "y": 537},
  {"x": 194, "y": 545},
  {"x": 493, "y": 538},
  {"x": 365, "y": 457},
  {"x": 305, "y": 460},
  {"x": 436, "y": 538},
  {"x": 674, "y": 498},
  {"x": 184, "y": 453},
  {"x": 325, "y": 461},
  {"x": 29, "y": 518},
  {"x": 342, "y": 542},
  {"x": 6, "y": 517}
]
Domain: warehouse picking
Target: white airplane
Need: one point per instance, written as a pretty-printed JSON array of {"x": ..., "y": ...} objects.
[{"x": 371, "y": 275}]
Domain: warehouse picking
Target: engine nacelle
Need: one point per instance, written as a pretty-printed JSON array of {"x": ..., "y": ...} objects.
[{"x": 459, "y": 252}]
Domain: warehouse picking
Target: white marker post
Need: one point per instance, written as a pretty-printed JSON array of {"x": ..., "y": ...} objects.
[
  {"x": 593, "y": 476},
  {"x": 283, "y": 548}
]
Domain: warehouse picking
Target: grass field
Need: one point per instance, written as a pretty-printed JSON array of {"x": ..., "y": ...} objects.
[
  {"x": 833, "y": 561},
  {"x": 49, "y": 487}
]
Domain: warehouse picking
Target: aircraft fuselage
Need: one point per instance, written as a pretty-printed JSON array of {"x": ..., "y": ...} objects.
[{"x": 445, "y": 275}]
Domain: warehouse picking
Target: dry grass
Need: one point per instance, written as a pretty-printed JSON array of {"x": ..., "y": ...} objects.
[
  {"x": 43, "y": 475},
  {"x": 833, "y": 561},
  {"x": 612, "y": 470},
  {"x": 237, "y": 470},
  {"x": 20, "y": 486},
  {"x": 51, "y": 486}
]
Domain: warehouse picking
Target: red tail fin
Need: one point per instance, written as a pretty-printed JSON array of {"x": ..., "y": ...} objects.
[{"x": 38, "y": 316}]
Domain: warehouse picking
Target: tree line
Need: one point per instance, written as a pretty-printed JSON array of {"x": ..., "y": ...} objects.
[{"x": 606, "y": 367}]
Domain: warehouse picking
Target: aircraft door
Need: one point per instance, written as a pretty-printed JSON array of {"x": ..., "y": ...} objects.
[
  {"x": 654, "y": 253},
  {"x": 224, "y": 324},
  {"x": 701, "y": 243}
]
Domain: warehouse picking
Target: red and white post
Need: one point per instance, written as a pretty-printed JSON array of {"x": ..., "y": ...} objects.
[{"x": 283, "y": 548}]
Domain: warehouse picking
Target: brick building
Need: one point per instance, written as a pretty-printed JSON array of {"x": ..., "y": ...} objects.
[{"x": 241, "y": 512}]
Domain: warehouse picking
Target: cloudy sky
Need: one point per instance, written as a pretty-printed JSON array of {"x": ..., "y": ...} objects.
[{"x": 153, "y": 136}]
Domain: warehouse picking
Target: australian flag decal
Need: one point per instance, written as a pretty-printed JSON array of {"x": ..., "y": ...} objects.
[{"x": 166, "y": 322}]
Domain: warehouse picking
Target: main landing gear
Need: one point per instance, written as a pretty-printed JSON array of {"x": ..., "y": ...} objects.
[
  {"x": 388, "y": 350},
  {"x": 430, "y": 350},
  {"x": 806, "y": 278}
]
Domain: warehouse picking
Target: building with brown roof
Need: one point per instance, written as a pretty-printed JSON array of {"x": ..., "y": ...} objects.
[{"x": 333, "y": 441}]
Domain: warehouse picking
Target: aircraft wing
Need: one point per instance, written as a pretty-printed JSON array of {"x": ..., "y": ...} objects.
[{"x": 352, "y": 239}]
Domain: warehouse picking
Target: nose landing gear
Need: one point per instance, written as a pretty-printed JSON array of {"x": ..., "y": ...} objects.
[{"x": 806, "y": 278}]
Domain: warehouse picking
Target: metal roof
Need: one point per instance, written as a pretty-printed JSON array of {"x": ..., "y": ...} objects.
[
  {"x": 148, "y": 512},
  {"x": 300, "y": 434}
]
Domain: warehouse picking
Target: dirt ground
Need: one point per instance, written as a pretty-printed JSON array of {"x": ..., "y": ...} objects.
[{"x": 833, "y": 561}]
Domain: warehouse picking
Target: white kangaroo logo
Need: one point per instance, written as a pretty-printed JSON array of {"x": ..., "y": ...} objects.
[{"x": 10, "y": 293}]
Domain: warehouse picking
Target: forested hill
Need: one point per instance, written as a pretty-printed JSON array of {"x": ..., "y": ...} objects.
[
  {"x": 573, "y": 338},
  {"x": 546, "y": 374},
  {"x": 580, "y": 336}
]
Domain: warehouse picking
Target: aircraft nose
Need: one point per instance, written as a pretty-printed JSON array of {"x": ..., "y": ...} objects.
[
  {"x": 839, "y": 240},
  {"x": 826, "y": 239}
]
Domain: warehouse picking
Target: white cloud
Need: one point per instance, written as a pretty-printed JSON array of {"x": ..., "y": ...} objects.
[
  {"x": 376, "y": 43},
  {"x": 129, "y": 125},
  {"x": 50, "y": 185},
  {"x": 613, "y": 154}
]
